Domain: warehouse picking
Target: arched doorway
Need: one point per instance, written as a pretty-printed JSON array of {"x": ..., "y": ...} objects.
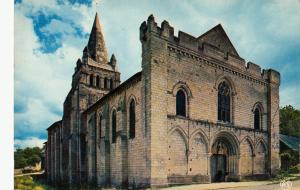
[{"x": 224, "y": 159}]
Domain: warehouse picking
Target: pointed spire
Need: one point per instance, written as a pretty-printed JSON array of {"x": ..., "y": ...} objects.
[
  {"x": 113, "y": 60},
  {"x": 96, "y": 45},
  {"x": 96, "y": 22}
]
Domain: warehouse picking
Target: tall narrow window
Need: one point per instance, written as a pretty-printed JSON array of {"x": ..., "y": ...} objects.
[
  {"x": 180, "y": 103},
  {"x": 224, "y": 102},
  {"x": 100, "y": 125},
  {"x": 98, "y": 81},
  {"x": 111, "y": 83},
  {"x": 132, "y": 119},
  {"x": 91, "y": 80},
  {"x": 105, "y": 82},
  {"x": 114, "y": 126},
  {"x": 257, "y": 119}
]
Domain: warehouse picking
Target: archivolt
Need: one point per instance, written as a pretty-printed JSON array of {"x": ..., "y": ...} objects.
[
  {"x": 183, "y": 86},
  {"x": 228, "y": 80},
  {"x": 180, "y": 131},
  {"x": 203, "y": 135},
  {"x": 247, "y": 138}
]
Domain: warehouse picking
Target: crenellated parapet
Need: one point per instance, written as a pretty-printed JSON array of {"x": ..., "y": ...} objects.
[{"x": 213, "y": 44}]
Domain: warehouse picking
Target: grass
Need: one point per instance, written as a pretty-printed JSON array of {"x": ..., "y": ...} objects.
[
  {"x": 290, "y": 174},
  {"x": 28, "y": 183}
]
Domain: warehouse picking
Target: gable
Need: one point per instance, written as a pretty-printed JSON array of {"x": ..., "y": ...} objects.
[{"x": 218, "y": 38}]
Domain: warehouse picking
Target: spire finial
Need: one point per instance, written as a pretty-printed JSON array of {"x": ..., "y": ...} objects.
[{"x": 96, "y": 22}]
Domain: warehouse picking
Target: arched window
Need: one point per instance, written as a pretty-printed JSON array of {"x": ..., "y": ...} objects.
[
  {"x": 224, "y": 94},
  {"x": 132, "y": 119},
  {"x": 111, "y": 83},
  {"x": 180, "y": 103},
  {"x": 98, "y": 81},
  {"x": 257, "y": 119},
  {"x": 91, "y": 80},
  {"x": 100, "y": 125},
  {"x": 114, "y": 126},
  {"x": 105, "y": 82}
]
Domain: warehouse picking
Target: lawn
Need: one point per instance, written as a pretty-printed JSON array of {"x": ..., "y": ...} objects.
[{"x": 29, "y": 183}]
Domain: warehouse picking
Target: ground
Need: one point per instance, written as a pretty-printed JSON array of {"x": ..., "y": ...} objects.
[
  {"x": 27, "y": 182},
  {"x": 262, "y": 185}
]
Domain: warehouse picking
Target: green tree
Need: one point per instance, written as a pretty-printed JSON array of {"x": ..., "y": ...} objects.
[
  {"x": 289, "y": 125},
  {"x": 27, "y": 157},
  {"x": 290, "y": 121}
]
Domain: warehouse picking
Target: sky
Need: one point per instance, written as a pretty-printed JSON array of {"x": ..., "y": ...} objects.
[{"x": 50, "y": 35}]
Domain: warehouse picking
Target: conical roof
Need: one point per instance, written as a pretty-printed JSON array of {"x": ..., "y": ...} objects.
[{"x": 96, "y": 45}]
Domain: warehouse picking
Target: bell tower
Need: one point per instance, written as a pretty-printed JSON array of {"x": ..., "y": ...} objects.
[
  {"x": 95, "y": 71},
  {"x": 95, "y": 76}
]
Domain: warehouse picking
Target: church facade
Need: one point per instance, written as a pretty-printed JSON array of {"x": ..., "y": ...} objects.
[{"x": 195, "y": 113}]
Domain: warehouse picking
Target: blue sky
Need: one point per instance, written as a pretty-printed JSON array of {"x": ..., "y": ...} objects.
[{"x": 50, "y": 36}]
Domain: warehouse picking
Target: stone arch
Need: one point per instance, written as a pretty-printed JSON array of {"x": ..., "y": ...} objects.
[
  {"x": 260, "y": 140},
  {"x": 260, "y": 161},
  {"x": 231, "y": 137},
  {"x": 198, "y": 153},
  {"x": 132, "y": 118},
  {"x": 131, "y": 97},
  {"x": 113, "y": 124},
  {"x": 203, "y": 135},
  {"x": 246, "y": 156},
  {"x": 229, "y": 81},
  {"x": 258, "y": 105},
  {"x": 225, "y": 156},
  {"x": 182, "y": 85},
  {"x": 181, "y": 131},
  {"x": 177, "y": 152},
  {"x": 250, "y": 141},
  {"x": 258, "y": 112}
]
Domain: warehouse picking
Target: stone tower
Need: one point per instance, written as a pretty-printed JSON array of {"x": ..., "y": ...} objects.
[{"x": 95, "y": 76}]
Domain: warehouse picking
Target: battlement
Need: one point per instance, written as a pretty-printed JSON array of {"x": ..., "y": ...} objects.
[
  {"x": 272, "y": 76},
  {"x": 214, "y": 43},
  {"x": 254, "y": 68}
]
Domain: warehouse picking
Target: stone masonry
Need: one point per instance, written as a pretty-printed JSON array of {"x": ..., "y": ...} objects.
[{"x": 196, "y": 113}]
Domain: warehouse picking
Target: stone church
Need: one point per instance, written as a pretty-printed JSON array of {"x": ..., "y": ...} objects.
[{"x": 195, "y": 113}]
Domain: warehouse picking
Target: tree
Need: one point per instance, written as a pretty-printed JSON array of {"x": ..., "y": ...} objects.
[
  {"x": 289, "y": 125},
  {"x": 27, "y": 157},
  {"x": 290, "y": 121}
]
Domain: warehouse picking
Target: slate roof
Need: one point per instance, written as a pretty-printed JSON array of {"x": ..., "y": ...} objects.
[{"x": 291, "y": 142}]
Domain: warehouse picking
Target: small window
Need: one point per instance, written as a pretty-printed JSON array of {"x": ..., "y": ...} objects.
[
  {"x": 111, "y": 83},
  {"x": 224, "y": 102},
  {"x": 114, "y": 126},
  {"x": 98, "y": 81},
  {"x": 132, "y": 119},
  {"x": 181, "y": 103},
  {"x": 105, "y": 82},
  {"x": 257, "y": 119},
  {"x": 91, "y": 80}
]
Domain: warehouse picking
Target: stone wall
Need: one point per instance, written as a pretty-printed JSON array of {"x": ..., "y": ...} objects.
[
  {"x": 121, "y": 163},
  {"x": 197, "y": 67}
]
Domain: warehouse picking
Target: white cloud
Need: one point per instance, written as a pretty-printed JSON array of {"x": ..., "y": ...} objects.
[{"x": 29, "y": 142}]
